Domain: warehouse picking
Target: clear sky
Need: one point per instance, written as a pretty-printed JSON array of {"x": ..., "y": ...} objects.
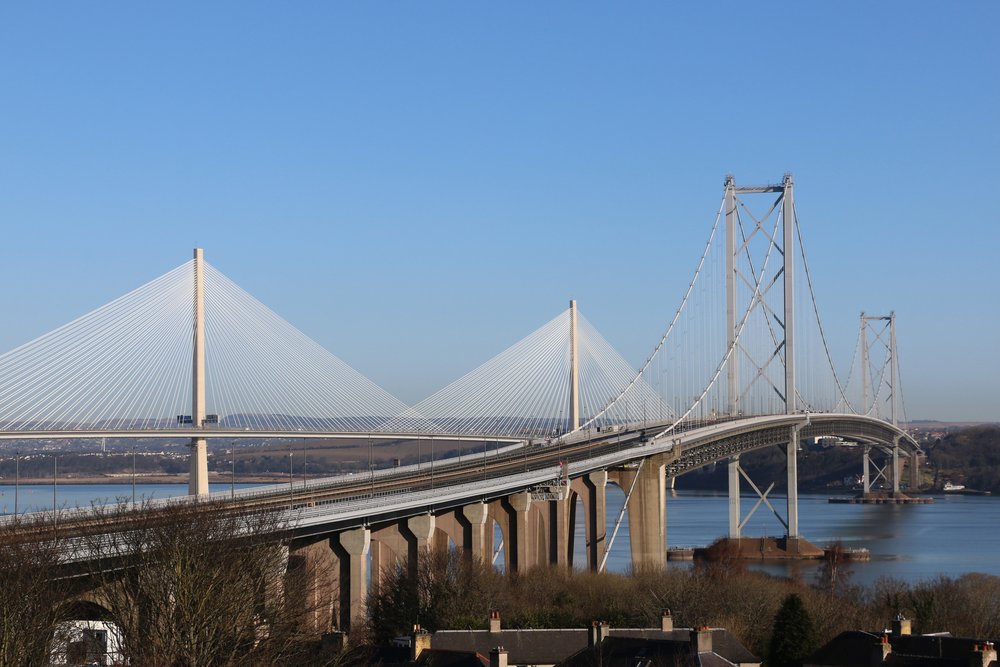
[{"x": 418, "y": 185}]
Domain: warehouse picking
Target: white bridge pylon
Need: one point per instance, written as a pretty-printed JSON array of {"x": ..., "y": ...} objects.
[
  {"x": 525, "y": 391},
  {"x": 128, "y": 366}
]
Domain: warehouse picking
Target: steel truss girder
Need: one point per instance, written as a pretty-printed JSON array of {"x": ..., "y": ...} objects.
[{"x": 697, "y": 455}]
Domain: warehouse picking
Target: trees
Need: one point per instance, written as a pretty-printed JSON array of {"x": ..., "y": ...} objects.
[
  {"x": 29, "y": 598},
  {"x": 835, "y": 574},
  {"x": 792, "y": 638},
  {"x": 193, "y": 584},
  {"x": 446, "y": 591}
]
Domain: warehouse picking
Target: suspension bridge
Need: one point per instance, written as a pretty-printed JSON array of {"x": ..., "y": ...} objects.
[{"x": 743, "y": 363}]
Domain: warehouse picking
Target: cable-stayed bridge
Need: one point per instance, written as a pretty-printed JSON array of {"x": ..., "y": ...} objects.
[{"x": 742, "y": 363}]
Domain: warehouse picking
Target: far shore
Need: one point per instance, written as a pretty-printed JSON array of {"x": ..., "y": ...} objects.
[{"x": 126, "y": 479}]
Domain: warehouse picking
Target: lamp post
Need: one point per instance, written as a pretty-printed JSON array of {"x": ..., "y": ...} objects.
[
  {"x": 232, "y": 474},
  {"x": 55, "y": 475},
  {"x": 291, "y": 485},
  {"x": 133, "y": 474},
  {"x": 371, "y": 465},
  {"x": 17, "y": 480}
]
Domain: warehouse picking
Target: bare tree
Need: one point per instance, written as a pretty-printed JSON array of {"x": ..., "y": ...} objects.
[
  {"x": 196, "y": 584},
  {"x": 29, "y": 597}
]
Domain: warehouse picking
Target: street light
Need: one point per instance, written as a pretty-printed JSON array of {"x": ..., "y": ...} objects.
[
  {"x": 232, "y": 476},
  {"x": 17, "y": 479},
  {"x": 133, "y": 474},
  {"x": 55, "y": 475}
]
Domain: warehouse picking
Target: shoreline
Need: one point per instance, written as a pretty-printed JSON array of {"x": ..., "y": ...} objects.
[{"x": 126, "y": 480}]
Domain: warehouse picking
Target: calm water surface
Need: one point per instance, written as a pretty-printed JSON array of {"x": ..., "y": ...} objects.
[
  {"x": 38, "y": 497},
  {"x": 952, "y": 536}
]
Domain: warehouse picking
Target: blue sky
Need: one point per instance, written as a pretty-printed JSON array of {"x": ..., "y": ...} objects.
[{"x": 418, "y": 185}]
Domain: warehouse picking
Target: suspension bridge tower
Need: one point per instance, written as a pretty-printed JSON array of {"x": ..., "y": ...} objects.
[{"x": 738, "y": 274}]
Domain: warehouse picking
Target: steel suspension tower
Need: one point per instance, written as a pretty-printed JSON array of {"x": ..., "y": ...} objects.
[{"x": 785, "y": 347}]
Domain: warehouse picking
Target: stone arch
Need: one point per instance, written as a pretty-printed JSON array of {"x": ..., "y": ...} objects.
[{"x": 84, "y": 608}]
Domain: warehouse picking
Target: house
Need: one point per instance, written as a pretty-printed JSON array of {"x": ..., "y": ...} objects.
[
  {"x": 856, "y": 648},
  {"x": 572, "y": 646}
]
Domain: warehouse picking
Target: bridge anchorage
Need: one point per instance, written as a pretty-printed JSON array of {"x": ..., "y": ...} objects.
[{"x": 742, "y": 365}]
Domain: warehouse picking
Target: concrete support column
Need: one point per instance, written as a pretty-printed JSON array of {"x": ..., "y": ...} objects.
[
  {"x": 198, "y": 474},
  {"x": 866, "y": 477},
  {"x": 519, "y": 532},
  {"x": 735, "y": 515},
  {"x": 421, "y": 532},
  {"x": 351, "y": 547},
  {"x": 792, "y": 469},
  {"x": 560, "y": 532},
  {"x": 311, "y": 582},
  {"x": 541, "y": 529},
  {"x": 381, "y": 558},
  {"x": 474, "y": 539},
  {"x": 895, "y": 465},
  {"x": 647, "y": 513},
  {"x": 915, "y": 463},
  {"x": 591, "y": 489},
  {"x": 451, "y": 526}
]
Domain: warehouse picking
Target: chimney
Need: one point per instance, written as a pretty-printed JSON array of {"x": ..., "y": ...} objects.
[
  {"x": 598, "y": 633},
  {"x": 666, "y": 621},
  {"x": 494, "y": 621},
  {"x": 900, "y": 626},
  {"x": 982, "y": 655},
  {"x": 701, "y": 639},
  {"x": 498, "y": 657},
  {"x": 420, "y": 641},
  {"x": 881, "y": 649}
]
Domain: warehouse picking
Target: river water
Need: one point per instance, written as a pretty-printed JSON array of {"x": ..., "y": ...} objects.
[
  {"x": 38, "y": 497},
  {"x": 954, "y": 535}
]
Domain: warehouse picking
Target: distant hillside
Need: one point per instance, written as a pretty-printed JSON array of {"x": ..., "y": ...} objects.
[
  {"x": 969, "y": 456},
  {"x": 818, "y": 470}
]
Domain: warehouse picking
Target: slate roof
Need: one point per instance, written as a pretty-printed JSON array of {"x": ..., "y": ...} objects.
[
  {"x": 552, "y": 646},
  {"x": 855, "y": 647},
  {"x": 851, "y": 647},
  {"x": 435, "y": 657},
  {"x": 639, "y": 652},
  {"x": 523, "y": 646},
  {"x": 399, "y": 656}
]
